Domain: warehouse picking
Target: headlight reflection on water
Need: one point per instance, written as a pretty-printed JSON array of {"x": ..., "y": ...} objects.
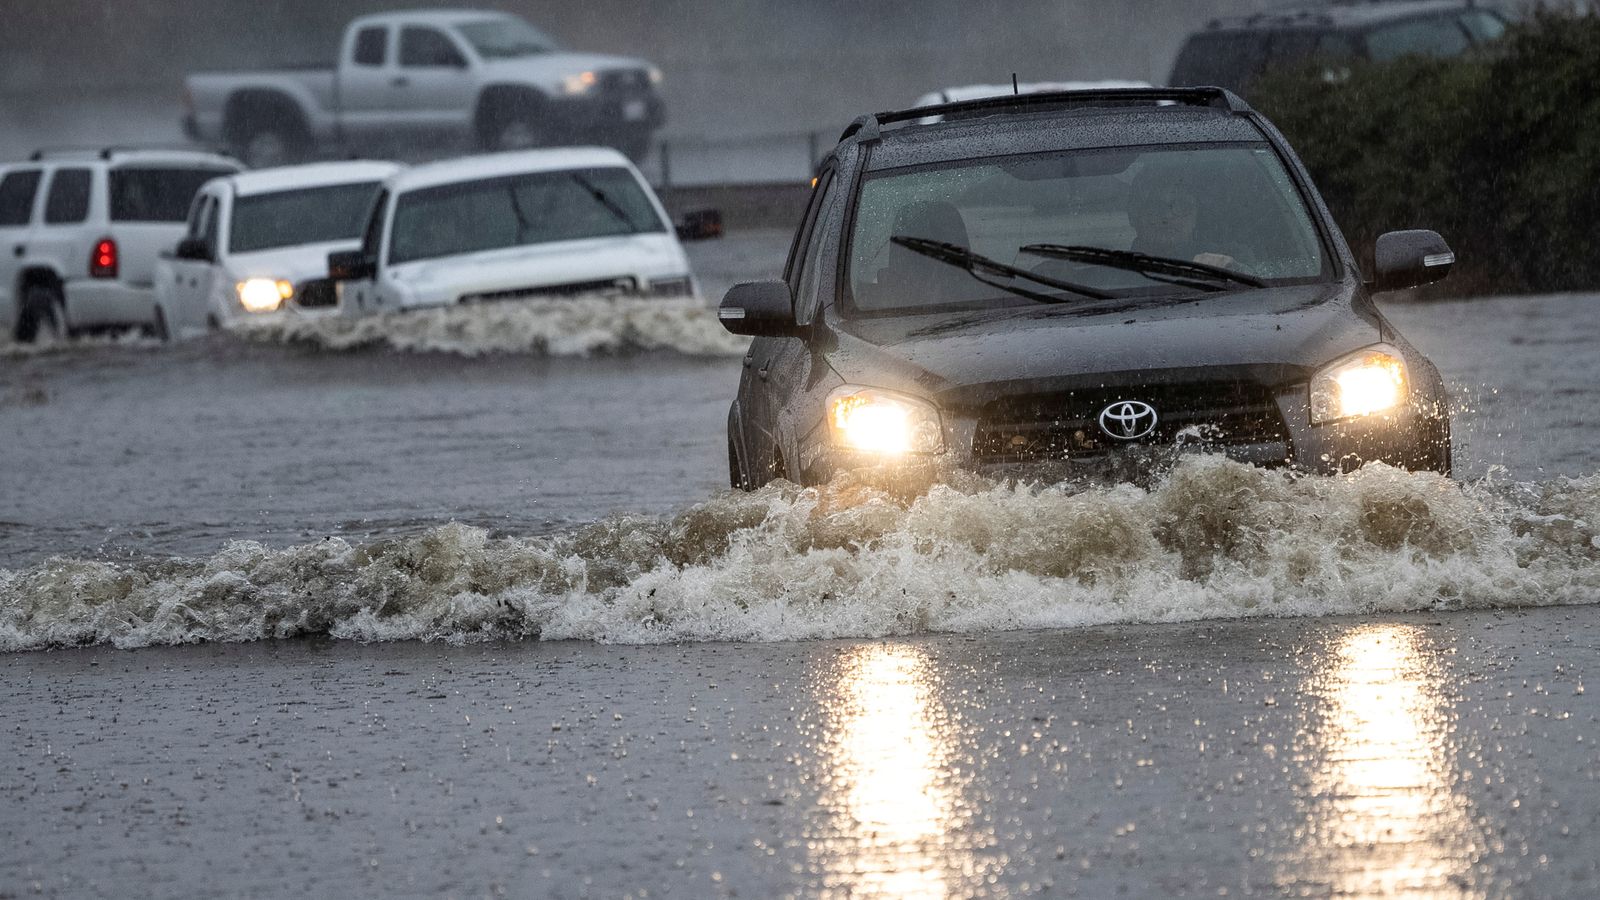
[
  {"x": 895, "y": 826},
  {"x": 1384, "y": 814}
]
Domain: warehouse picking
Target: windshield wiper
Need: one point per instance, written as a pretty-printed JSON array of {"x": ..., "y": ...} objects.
[
  {"x": 1185, "y": 273},
  {"x": 600, "y": 197},
  {"x": 975, "y": 264}
]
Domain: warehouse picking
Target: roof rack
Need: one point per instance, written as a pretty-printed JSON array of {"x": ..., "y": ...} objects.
[
  {"x": 108, "y": 152},
  {"x": 867, "y": 127}
]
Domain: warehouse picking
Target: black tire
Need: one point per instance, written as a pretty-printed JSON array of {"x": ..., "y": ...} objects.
[
  {"x": 735, "y": 473},
  {"x": 264, "y": 145},
  {"x": 42, "y": 314},
  {"x": 158, "y": 327}
]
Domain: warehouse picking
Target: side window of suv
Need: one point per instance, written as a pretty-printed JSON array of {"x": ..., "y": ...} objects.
[
  {"x": 68, "y": 200},
  {"x": 807, "y": 267},
  {"x": 372, "y": 46},
  {"x": 428, "y": 48},
  {"x": 1436, "y": 36},
  {"x": 17, "y": 191}
]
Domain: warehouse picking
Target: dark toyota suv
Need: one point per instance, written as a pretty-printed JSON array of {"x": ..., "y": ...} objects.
[{"x": 1053, "y": 281}]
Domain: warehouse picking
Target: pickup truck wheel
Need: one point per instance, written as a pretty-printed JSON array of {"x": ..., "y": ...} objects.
[
  {"x": 519, "y": 132},
  {"x": 269, "y": 146}
]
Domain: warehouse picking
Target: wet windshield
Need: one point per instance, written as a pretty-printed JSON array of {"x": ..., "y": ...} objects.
[
  {"x": 505, "y": 38},
  {"x": 533, "y": 208},
  {"x": 307, "y": 216},
  {"x": 1232, "y": 208}
]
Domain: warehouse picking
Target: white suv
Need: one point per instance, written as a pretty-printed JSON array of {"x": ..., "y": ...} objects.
[
  {"x": 537, "y": 223},
  {"x": 256, "y": 244},
  {"x": 80, "y": 232}
]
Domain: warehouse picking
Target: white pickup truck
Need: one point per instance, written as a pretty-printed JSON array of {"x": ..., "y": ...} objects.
[{"x": 430, "y": 81}]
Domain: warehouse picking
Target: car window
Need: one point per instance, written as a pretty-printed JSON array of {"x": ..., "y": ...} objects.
[
  {"x": 68, "y": 200},
  {"x": 372, "y": 46},
  {"x": 208, "y": 225},
  {"x": 505, "y": 38},
  {"x": 1233, "y": 205},
  {"x": 141, "y": 194},
  {"x": 306, "y": 216},
  {"x": 519, "y": 210},
  {"x": 17, "y": 191},
  {"x": 1230, "y": 59},
  {"x": 428, "y": 48},
  {"x": 1438, "y": 37},
  {"x": 809, "y": 265},
  {"x": 373, "y": 238},
  {"x": 1483, "y": 25}
]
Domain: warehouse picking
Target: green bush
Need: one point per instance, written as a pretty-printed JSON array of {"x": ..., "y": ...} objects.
[{"x": 1500, "y": 153}]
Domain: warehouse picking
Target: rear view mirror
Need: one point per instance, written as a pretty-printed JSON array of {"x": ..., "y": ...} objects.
[
  {"x": 193, "y": 249},
  {"x": 700, "y": 225},
  {"x": 351, "y": 265},
  {"x": 759, "y": 309},
  {"x": 1407, "y": 259}
]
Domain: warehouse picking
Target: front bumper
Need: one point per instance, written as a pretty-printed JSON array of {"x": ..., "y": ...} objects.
[
  {"x": 608, "y": 116},
  {"x": 1416, "y": 437}
]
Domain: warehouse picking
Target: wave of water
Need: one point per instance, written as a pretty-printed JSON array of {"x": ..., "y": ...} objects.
[
  {"x": 578, "y": 326},
  {"x": 865, "y": 557}
]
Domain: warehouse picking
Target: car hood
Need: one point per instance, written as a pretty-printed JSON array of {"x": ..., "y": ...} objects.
[
  {"x": 1274, "y": 336},
  {"x": 545, "y": 66},
  {"x": 640, "y": 256},
  {"x": 300, "y": 263}
]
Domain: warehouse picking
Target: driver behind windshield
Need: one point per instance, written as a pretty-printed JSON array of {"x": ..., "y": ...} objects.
[{"x": 1164, "y": 210}]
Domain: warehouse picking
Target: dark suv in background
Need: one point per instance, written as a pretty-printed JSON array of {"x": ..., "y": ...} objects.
[{"x": 1234, "y": 52}]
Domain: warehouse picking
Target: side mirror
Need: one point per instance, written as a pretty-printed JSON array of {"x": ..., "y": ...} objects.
[
  {"x": 351, "y": 265},
  {"x": 700, "y": 225},
  {"x": 1407, "y": 259},
  {"x": 193, "y": 249},
  {"x": 759, "y": 309}
]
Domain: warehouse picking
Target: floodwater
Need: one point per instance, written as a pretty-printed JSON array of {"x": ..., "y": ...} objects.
[{"x": 1230, "y": 681}]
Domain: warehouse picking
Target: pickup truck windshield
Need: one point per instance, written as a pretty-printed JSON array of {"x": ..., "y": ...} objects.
[
  {"x": 305, "y": 216},
  {"x": 533, "y": 208},
  {"x": 505, "y": 38},
  {"x": 1093, "y": 219}
]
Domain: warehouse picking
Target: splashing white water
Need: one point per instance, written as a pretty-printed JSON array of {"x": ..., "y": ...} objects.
[
  {"x": 577, "y": 326},
  {"x": 1213, "y": 539}
]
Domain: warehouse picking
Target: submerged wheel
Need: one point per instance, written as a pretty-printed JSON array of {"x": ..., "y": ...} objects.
[{"x": 42, "y": 319}]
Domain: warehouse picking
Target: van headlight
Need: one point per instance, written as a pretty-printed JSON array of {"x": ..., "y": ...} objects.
[
  {"x": 1366, "y": 382},
  {"x": 872, "y": 420},
  {"x": 259, "y": 295}
]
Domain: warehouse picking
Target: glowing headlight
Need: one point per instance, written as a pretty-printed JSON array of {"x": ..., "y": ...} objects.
[
  {"x": 260, "y": 295},
  {"x": 1371, "y": 381},
  {"x": 655, "y": 75},
  {"x": 581, "y": 83},
  {"x": 879, "y": 421}
]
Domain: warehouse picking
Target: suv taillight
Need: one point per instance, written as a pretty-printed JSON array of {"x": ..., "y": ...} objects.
[{"x": 103, "y": 262}]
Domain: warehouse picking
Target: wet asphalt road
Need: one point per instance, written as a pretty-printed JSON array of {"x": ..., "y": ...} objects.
[{"x": 1423, "y": 755}]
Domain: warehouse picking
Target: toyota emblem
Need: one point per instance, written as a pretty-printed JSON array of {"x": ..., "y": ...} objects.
[{"x": 1128, "y": 420}]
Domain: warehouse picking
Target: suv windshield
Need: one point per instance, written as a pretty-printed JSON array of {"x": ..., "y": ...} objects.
[
  {"x": 306, "y": 216},
  {"x": 1230, "y": 207},
  {"x": 505, "y": 38},
  {"x": 156, "y": 195},
  {"x": 533, "y": 208}
]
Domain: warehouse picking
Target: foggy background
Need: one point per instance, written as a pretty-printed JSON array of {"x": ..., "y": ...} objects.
[{"x": 103, "y": 71}]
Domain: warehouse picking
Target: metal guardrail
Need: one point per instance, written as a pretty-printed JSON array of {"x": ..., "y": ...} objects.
[{"x": 782, "y": 158}]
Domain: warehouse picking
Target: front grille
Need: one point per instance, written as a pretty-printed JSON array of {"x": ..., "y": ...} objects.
[
  {"x": 623, "y": 285},
  {"x": 620, "y": 80},
  {"x": 1066, "y": 425},
  {"x": 318, "y": 294}
]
